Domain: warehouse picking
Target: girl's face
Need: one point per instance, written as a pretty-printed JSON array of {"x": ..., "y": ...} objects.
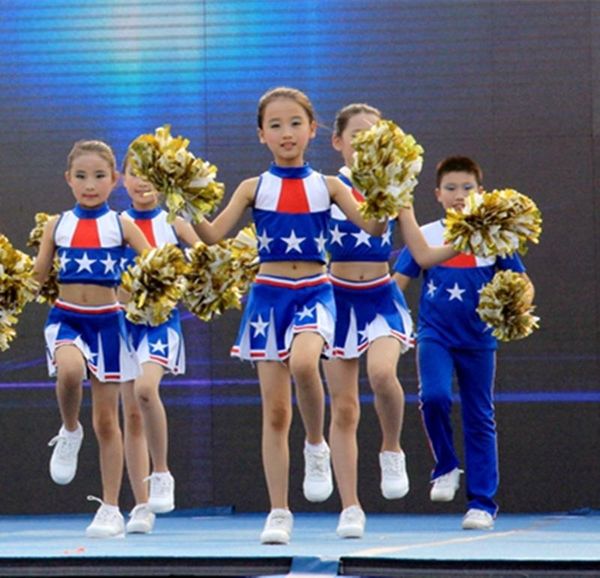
[
  {"x": 141, "y": 192},
  {"x": 287, "y": 131},
  {"x": 356, "y": 123},
  {"x": 92, "y": 179},
  {"x": 454, "y": 188}
]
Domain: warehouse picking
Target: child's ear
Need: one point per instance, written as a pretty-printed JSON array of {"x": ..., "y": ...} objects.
[
  {"x": 336, "y": 142},
  {"x": 261, "y": 138},
  {"x": 313, "y": 129},
  {"x": 437, "y": 194},
  {"x": 67, "y": 178}
]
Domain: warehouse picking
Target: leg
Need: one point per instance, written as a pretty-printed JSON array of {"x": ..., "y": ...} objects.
[
  {"x": 105, "y": 415},
  {"x": 342, "y": 381},
  {"x": 382, "y": 363},
  {"x": 475, "y": 370},
  {"x": 276, "y": 391},
  {"x": 136, "y": 448},
  {"x": 304, "y": 366},
  {"x": 71, "y": 370},
  {"x": 435, "y": 366},
  {"x": 154, "y": 414}
]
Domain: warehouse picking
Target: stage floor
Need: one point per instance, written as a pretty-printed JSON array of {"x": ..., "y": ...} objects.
[{"x": 228, "y": 545}]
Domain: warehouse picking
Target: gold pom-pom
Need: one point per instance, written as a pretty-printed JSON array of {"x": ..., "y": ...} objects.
[
  {"x": 221, "y": 274},
  {"x": 385, "y": 168},
  {"x": 17, "y": 288},
  {"x": 156, "y": 282},
  {"x": 504, "y": 306},
  {"x": 186, "y": 182},
  {"x": 48, "y": 292},
  {"x": 495, "y": 223}
]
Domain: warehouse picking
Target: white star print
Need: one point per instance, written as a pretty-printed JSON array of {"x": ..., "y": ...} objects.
[
  {"x": 85, "y": 263},
  {"x": 431, "y": 288},
  {"x": 306, "y": 312},
  {"x": 386, "y": 237},
  {"x": 123, "y": 263},
  {"x": 263, "y": 241},
  {"x": 109, "y": 264},
  {"x": 362, "y": 238},
  {"x": 259, "y": 326},
  {"x": 293, "y": 242},
  {"x": 63, "y": 262},
  {"x": 320, "y": 241},
  {"x": 363, "y": 335},
  {"x": 337, "y": 236},
  {"x": 158, "y": 346},
  {"x": 456, "y": 292}
]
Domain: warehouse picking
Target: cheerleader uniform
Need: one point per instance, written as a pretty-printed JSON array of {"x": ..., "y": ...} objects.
[
  {"x": 162, "y": 344},
  {"x": 89, "y": 249},
  {"x": 366, "y": 310},
  {"x": 291, "y": 212},
  {"x": 452, "y": 338}
]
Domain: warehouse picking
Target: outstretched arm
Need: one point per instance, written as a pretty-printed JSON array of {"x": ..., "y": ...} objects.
[
  {"x": 425, "y": 255},
  {"x": 342, "y": 197},
  {"x": 242, "y": 198},
  {"x": 185, "y": 232},
  {"x": 401, "y": 280}
]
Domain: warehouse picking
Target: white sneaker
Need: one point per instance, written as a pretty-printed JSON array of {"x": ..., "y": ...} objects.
[
  {"x": 141, "y": 520},
  {"x": 394, "y": 479},
  {"x": 476, "y": 519},
  {"x": 63, "y": 463},
  {"x": 352, "y": 523},
  {"x": 278, "y": 527},
  {"x": 162, "y": 493},
  {"x": 444, "y": 487},
  {"x": 318, "y": 483},
  {"x": 107, "y": 523}
]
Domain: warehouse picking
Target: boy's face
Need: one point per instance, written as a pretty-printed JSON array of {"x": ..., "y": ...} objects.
[{"x": 454, "y": 188}]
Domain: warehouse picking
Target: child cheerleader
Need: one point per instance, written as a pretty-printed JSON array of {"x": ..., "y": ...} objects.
[
  {"x": 85, "y": 331},
  {"x": 290, "y": 312},
  {"x": 159, "y": 349}
]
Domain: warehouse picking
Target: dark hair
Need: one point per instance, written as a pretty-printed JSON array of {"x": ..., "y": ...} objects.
[
  {"x": 284, "y": 92},
  {"x": 83, "y": 147},
  {"x": 344, "y": 115},
  {"x": 458, "y": 164}
]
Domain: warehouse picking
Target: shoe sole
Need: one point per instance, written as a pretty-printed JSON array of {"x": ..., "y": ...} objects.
[
  {"x": 138, "y": 530},
  {"x": 351, "y": 533},
  {"x": 394, "y": 495},
  {"x": 161, "y": 508},
  {"x": 102, "y": 535},
  {"x": 275, "y": 539},
  {"x": 436, "y": 498},
  {"x": 318, "y": 497}
]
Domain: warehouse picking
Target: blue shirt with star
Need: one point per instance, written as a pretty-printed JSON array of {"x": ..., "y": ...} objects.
[{"x": 450, "y": 293}]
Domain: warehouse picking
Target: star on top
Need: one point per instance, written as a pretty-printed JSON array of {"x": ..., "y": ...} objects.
[
  {"x": 85, "y": 263},
  {"x": 456, "y": 292},
  {"x": 337, "y": 236},
  {"x": 263, "y": 241},
  {"x": 293, "y": 242},
  {"x": 362, "y": 238},
  {"x": 109, "y": 264}
]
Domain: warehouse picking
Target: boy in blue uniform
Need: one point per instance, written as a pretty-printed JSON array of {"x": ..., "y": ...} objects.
[{"x": 452, "y": 339}]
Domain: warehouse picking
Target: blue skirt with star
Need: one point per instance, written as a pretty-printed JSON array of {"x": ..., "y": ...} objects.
[
  {"x": 366, "y": 311},
  {"x": 162, "y": 344},
  {"x": 278, "y": 308},
  {"x": 99, "y": 332}
]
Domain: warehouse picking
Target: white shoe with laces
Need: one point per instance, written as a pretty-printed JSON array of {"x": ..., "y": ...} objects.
[
  {"x": 107, "y": 523},
  {"x": 141, "y": 520},
  {"x": 162, "y": 492},
  {"x": 352, "y": 523},
  {"x": 278, "y": 527},
  {"x": 318, "y": 482},
  {"x": 63, "y": 463},
  {"x": 444, "y": 487},
  {"x": 476, "y": 519},
  {"x": 394, "y": 479}
]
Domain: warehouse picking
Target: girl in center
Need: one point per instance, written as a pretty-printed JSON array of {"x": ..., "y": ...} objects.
[{"x": 290, "y": 313}]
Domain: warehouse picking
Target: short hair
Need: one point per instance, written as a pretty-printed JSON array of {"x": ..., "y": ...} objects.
[
  {"x": 83, "y": 147},
  {"x": 343, "y": 116},
  {"x": 458, "y": 164},
  {"x": 287, "y": 93}
]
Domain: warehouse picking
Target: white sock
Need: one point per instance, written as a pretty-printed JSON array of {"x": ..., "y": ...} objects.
[{"x": 320, "y": 447}]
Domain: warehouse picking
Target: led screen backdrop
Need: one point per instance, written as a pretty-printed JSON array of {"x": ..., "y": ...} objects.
[{"x": 513, "y": 84}]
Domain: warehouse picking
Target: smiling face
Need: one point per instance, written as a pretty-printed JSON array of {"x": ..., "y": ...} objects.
[
  {"x": 91, "y": 178},
  {"x": 286, "y": 129},
  {"x": 143, "y": 195},
  {"x": 454, "y": 188},
  {"x": 356, "y": 123}
]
